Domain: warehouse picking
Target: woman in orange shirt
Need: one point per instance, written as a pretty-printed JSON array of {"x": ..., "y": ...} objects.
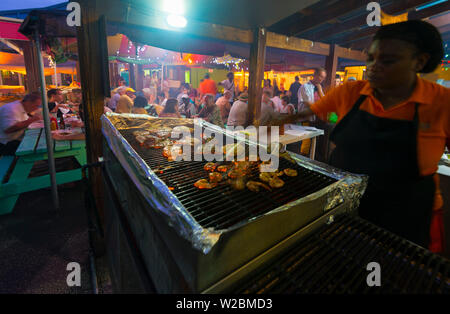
[{"x": 394, "y": 128}]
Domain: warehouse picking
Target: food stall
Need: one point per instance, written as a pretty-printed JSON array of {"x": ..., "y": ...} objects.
[{"x": 165, "y": 234}]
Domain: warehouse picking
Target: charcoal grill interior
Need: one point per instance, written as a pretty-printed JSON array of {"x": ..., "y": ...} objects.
[
  {"x": 333, "y": 260},
  {"x": 224, "y": 207}
]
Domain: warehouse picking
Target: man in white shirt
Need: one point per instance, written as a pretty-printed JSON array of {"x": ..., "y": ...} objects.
[
  {"x": 239, "y": 112},
  {"x": 311, "y": 92},
  {"x": 14, "y": 119},
  {"x": 228, "y": 85}
]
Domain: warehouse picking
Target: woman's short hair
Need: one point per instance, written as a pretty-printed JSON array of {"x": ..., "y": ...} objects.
[
  {"x": 140, "y": 102},
  {"x": 285, "y": 98},
  {"x": 424, "y": 36},
  {"x": 171, "y": 106}
]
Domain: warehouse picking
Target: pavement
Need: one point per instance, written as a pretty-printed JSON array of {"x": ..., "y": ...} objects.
[{"x": 37, "y": 243}]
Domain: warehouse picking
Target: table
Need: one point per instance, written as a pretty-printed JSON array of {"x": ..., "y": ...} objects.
[
  {"x": 34, "y": 148},
  {"x": 293, "y": 134}
]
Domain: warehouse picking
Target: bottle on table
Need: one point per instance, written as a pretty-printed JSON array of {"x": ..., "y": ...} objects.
[
  {"x": 62, "y": 125},
  {"x": 53, "y": 124}
]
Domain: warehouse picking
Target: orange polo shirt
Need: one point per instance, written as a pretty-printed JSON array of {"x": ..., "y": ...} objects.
[
  {"x": 208, "y": 86},
  {"x": 434, "y": 117}
]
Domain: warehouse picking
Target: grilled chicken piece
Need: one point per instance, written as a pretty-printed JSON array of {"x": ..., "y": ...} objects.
[
  {"x": 265, "y": 176},
  {"x": 276, "y": 183},
  {"x": 215, "y": 177},
  {"x": 254, "y": 186},
  {"x": 210, "y": 166},
  {"x": 203, "y": 184},
  {"x": 223, "y": 168},
  {"x": 290, "y": 172}
]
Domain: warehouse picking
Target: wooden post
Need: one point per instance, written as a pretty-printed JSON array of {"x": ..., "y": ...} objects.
[
  {"x": 132, "y": 75},
  {"x": 93, "y": 57},
  {"x": 256, "y": 74},
  {"x": 140, "y": 77},
  {"x": 331, "y": 64},
  {"x": 31, "y": 67}
]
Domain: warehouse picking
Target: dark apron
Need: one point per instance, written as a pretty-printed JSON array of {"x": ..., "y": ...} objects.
[{"x": 397, "y": 197}]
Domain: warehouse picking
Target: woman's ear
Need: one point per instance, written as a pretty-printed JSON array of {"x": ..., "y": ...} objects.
[{"x": 421, "y": 61}]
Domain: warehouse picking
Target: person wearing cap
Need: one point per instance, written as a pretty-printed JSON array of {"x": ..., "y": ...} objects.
[
  {"x": 394, "y": 128},
  {"x": 187, "y": 107},
  {"x": 224, "y": 104},
  {"x": 125, "y": 102},
  {"x": 239, "y": 111}
]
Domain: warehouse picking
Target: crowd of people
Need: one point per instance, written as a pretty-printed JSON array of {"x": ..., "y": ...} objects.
[{"x": 229, "y": 108}]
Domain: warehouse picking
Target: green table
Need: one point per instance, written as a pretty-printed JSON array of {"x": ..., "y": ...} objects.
[{"x": 34, "y": 148}]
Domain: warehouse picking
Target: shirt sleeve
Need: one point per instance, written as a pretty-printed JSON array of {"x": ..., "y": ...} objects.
[{"x": 330, "y": 102}]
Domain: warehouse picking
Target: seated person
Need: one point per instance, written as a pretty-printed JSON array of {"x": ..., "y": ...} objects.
[
  {"x": 188, "y": 107},
  {"x": 125, "y": 102},
  {"x": 277, "y": 101},
  {"x": 268, "y": 113},
  {"x": 15, "y": 117},
  {"x": 55, "y": 99},
  {"x": 239, "y": 111},
  {"x": 224, "y": 104},
  {"x": 211, "y": 111},
  {"x": 171, "y": 109},
  {"x": 141, "y": 106},
  {"x": 286, "y": 107}
]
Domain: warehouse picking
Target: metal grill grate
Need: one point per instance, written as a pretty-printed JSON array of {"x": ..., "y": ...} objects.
[
  {"x": 223, "y": 207},
  {"x": 333, "y": 260}
]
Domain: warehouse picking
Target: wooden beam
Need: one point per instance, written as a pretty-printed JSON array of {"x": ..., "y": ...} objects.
[
  {"x": 331, "y": 64},
  {"x": 297, "y": 44},
  {"x": 415, "y": 15},
  {"x": 12, "y": 46},
  {"x": 350, "y": 54},
  {"x": 393, "y": 8},
  {"x": 93, "y": 58},
  {"x": 256, "y": 74},
  {"x": 321, "y": 17},
  {"x": 441, "y": 21}
]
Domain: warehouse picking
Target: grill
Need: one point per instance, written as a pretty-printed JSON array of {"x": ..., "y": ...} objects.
[
  {"x": 237, "y": 220},
  {"x": 223, "y": 207},
  {"x": 333, "y": 260}
]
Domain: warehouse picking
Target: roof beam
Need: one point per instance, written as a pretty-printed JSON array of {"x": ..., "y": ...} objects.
[
  {"x": 394, "y": 8},
  {"x": 11, "y": 45},
  {"x": 422, "y": 14},
  {"x": 297, "y": 44},
  {"x": 338, "y": 9},
  {"x": 347, "y": 53}
]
